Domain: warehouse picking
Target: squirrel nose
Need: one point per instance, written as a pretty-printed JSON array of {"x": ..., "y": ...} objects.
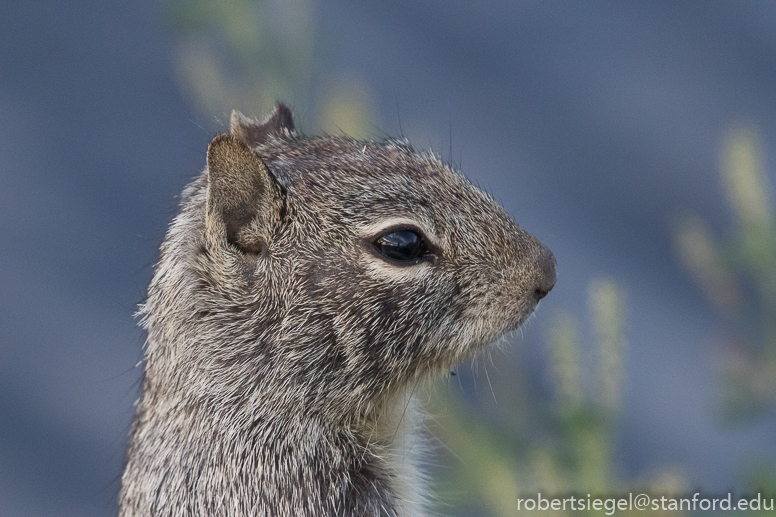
[{"x": 546, "y": 275}]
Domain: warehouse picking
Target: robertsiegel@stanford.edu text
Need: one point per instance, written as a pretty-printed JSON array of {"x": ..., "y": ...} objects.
[{"x": 610, "y": 505}]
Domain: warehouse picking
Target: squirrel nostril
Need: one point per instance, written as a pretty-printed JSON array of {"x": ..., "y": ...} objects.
[{"x": 547, "y": 275}]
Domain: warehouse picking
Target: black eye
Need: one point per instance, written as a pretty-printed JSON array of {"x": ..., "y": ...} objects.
[{"x": 403, "y": 245}]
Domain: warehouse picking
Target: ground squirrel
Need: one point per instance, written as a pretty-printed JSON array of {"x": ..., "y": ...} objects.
[{"x": 305, "y": 287}]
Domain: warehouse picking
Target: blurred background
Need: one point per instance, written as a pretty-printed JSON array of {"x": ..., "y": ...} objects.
[{"x": 636, "y": 139}]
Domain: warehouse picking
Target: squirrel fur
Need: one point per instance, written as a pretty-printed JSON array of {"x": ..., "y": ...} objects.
[{"x": 305, "y": 287}]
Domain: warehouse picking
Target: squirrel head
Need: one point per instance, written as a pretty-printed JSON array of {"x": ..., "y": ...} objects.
[{"x": 324, "y": 274}]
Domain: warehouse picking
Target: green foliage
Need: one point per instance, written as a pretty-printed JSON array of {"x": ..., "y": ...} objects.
[
  {"x": 737, "y": 274},
  {"x": 242, "y": 54},
  {"x": 249, "y": 54},
  {"x": 566, "y": 450}
]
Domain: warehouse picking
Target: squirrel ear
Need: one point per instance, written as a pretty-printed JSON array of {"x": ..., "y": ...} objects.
[
  {"x": 279, "y": 123},
  {"x": 243, "y": 198}
]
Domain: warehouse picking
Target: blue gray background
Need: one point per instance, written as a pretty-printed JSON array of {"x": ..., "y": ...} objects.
[{"x": 594, "y": 123}]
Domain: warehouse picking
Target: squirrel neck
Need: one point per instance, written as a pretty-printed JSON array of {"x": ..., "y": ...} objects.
[{"x": 222, "y": 459}]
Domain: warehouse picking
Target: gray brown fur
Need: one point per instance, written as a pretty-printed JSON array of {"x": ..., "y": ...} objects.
[{"x": 282, "y": 348}]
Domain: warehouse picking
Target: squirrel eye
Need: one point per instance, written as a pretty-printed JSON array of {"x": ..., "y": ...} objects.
[{"x": 402, "y": 245}]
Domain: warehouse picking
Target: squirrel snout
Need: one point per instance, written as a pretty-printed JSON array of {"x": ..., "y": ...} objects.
[{"x": 545, "y": 272}]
